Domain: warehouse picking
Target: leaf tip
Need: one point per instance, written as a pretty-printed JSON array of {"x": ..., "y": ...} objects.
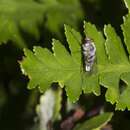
[{"x": 66, "y": 27}]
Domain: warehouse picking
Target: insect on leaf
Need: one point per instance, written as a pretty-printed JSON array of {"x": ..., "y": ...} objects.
[{"x": 110, "y": 66}]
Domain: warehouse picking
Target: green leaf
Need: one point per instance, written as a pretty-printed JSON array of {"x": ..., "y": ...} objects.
[
  {"x": 126, "y": 30},
  {"x": 113, "y": 43},
  {"x": 115, "y": 63},
  {"x": 67, "y": 68},
  {"x": 59, "y": 66},
  {"x": 95, "y": 123},
  {"x": 127, "y": 3},
  {"x": 63, "y": 12},
  {"x": 17, "y": 16},
  {"x": 124, "y": 97}
]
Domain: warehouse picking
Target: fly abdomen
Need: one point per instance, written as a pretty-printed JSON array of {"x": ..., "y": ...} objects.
[{"x": 89, "y": 52}]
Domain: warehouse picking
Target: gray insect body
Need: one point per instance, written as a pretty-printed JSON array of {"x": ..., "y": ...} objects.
[{"x": 89, "y": 52}]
